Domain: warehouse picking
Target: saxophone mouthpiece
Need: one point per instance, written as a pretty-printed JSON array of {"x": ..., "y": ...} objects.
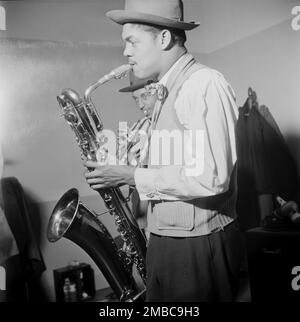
[
  {"x": 116, "y": 73},
  {"x": 121, "y": 71}
]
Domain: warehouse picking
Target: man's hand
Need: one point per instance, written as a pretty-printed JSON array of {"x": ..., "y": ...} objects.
[{"x": 109, "y": 175}]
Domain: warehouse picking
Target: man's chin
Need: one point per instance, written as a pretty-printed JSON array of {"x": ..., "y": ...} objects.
[{"x": 139, "y": 73}]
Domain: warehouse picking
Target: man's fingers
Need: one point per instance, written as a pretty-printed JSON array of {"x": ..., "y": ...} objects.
[
  {"x": 97, "y": 181},
  {"x": 91, "y": 164},
  {"x": 92, "y": 174},
  {"x": 98, "y": 186}
]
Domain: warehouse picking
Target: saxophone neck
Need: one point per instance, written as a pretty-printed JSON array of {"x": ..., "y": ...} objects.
[{"x": 116, "y": 73}]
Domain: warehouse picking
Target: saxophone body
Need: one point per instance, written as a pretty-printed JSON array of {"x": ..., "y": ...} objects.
[{"x": 87, "y": 126}]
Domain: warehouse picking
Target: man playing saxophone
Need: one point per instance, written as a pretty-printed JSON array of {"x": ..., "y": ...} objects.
[{"x": 194, "y": 250}]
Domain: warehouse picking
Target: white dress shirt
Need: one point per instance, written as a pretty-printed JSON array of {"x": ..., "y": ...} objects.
[{"x": 205, "y": 102}]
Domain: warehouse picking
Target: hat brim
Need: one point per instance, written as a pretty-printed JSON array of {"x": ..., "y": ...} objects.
[
  {"x": 133, "y": 88},
  {"x": 125, "y": 16},
  {"x": 129, "y": 89}
]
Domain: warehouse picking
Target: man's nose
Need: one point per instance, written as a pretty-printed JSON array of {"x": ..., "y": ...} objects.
[{"x": 127, "y": 52}]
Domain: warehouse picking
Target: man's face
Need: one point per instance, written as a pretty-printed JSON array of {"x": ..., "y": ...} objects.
[
  {"x": 142, "y": 49},
  {"x": 144, "y": 100}
]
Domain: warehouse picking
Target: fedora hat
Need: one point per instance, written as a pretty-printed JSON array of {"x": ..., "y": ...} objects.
[
  {"x": 165, "y": 13},
  {"x": 136, "y": 83}
]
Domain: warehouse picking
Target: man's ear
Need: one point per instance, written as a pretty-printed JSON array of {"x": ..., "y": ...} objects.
[{"x": 166, "y": 39}]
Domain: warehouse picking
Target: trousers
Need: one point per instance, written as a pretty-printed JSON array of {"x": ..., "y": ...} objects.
[{"x": 195, "y": 269}]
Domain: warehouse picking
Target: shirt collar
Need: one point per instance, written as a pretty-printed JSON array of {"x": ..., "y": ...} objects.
[{"x": 165, "y": 78}]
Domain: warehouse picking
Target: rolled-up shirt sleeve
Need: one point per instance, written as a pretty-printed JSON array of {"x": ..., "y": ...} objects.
[{"x": 206, "y": 108}]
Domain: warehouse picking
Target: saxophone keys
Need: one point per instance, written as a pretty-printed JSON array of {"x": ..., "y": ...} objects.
[
  {"x": 113, "y": 213},
  {"x": 107, "y": 198},
  {"x": 128, "y": 261},
  {"x": 118, "y": 221},
  {"x": 140, "y": 266},
  {"x": 123, "y": 234},
  {"x": 130, "y": 251}
]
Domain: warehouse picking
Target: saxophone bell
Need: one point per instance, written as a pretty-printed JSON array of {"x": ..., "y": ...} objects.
[{"x": 71, "y": 219}]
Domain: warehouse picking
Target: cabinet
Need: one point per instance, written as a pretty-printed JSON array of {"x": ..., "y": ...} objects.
[{"x": 271, "y": 259}]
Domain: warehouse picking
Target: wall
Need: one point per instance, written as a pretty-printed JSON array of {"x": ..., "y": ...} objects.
[
  {"x": 62, "y": 20},
  {"x": 268, "y": 62},
  {"x": 225, "y": 22}
]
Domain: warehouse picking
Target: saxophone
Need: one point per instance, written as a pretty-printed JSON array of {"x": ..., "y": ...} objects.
[{"x": 85, "y": 122}]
